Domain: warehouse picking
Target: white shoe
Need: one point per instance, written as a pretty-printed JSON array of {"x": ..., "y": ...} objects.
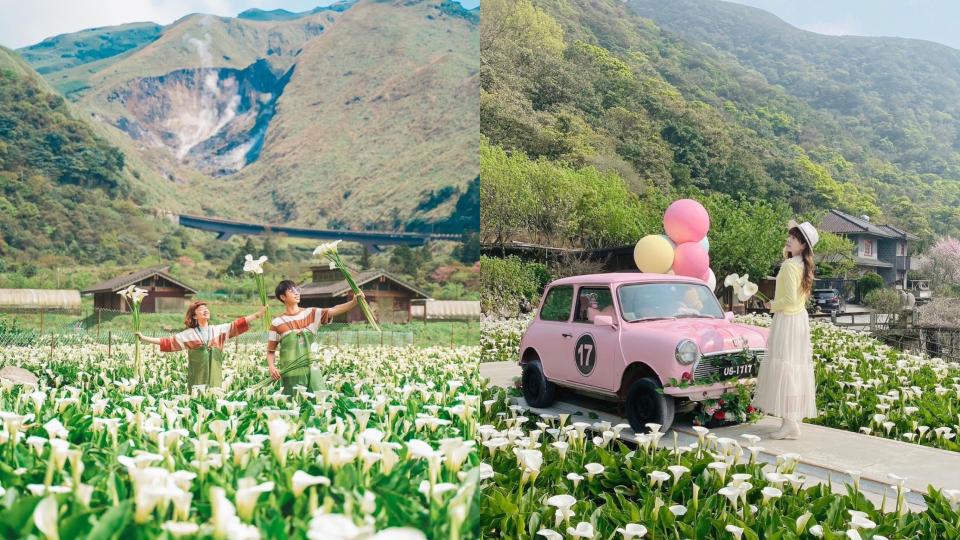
[
  {"x": 789, "y": 430},
  {"x": 780, "y": 431}
]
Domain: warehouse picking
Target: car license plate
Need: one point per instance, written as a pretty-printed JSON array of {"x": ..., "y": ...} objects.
[{"x": 740, "y": 371}]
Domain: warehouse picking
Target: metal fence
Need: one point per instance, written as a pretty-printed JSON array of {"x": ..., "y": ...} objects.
[
  {"x": 97, "y": 326},
  {"x": 904, "y": 332},
  {"x": 343, "y": 337}
]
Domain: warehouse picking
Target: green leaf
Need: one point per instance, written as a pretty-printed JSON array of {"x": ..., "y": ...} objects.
[
  {"x": 18, "y": 516},
  {"x": 112, "y": 522},
  {"x": 533, "y": 525},
  {"x": 75, "y": 526}
]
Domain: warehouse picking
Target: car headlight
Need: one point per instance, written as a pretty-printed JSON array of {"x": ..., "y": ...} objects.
[{"x": 687, "y": 352}]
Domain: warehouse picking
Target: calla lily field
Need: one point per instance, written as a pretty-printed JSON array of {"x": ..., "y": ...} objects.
[
  {"x": 386, "y": 450},
  {"x": 863, "y": 385},
  {"x": 555, "y": 477}
]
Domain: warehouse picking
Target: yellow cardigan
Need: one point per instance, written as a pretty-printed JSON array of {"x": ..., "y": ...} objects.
[{"x": 787, "y": 298}]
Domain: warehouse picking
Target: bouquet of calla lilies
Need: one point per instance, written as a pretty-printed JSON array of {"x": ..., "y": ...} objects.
[
  {"x": 743, "y": 288},
  {"x": 255, "y": 267},
  {"x": 134, "y": 296},
  {"x": 329, "y": 251}
]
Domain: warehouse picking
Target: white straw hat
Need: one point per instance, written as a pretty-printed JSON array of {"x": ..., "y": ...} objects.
[{"x": 807, "y": 230}]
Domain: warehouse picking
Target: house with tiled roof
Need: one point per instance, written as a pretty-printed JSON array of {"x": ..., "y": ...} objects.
[
  {"x": 164, "y": 292},
  {"x": 389, "y": 296},
  {"x": 884, "y": 249}
]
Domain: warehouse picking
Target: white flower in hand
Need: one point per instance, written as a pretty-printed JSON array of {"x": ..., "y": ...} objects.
[
  {"x": 326, "y": 248},
  {"x": 742, "y": 286},
  {"x": 747, "y": 291},
  {"x": 254, "y": 265},
  {"x": 736, "y": 281},
  {"x": 138, "y": 295},
  {"x": 128, "y": 292}
]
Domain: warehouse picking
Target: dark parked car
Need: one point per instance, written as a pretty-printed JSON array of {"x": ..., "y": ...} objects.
[{"x": 829, "y": 300}]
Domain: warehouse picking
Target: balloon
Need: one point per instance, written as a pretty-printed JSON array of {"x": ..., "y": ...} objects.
[
  {"x": 691, "y": 260},
  {"x": 705, "y": 244},
  {"x": 673, "y": 244},
  {"x": 653, "y": 254},
  {"x": 686, "y": 220},
  {"x": 711, "y": 280}
]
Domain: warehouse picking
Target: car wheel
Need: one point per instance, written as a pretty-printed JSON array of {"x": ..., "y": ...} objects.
[
  {"x": 537, "y": 390},
  {"x": 646, "y": 403}
]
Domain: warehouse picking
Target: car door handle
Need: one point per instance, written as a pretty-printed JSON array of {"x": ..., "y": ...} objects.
[{"x": 567, "y": 335}]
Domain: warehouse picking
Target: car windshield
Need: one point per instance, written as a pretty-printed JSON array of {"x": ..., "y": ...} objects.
[
  {"x": 825, "y": 292},
  {"x": 647, "y": 301}
]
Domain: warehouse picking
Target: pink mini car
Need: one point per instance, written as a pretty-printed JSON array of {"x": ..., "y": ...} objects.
[{"x": 649, "y": 341}]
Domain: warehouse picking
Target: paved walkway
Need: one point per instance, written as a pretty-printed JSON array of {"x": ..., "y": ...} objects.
[{"x": 826, "y": 453}]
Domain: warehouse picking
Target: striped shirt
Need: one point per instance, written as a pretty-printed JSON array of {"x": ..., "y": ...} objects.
[
  {"x": 214, "y": 335},
  {"x": 308, "y": 319}
]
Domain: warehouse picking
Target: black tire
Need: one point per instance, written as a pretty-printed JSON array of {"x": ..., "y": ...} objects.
[
  {"x": 645, "y": 403},
  {"x": 537, "y": 390}
]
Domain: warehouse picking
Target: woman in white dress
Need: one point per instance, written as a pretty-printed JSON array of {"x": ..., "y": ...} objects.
[{"x": 785, "y": 384}]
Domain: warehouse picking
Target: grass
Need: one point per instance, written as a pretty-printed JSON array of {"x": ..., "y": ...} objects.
[{"x": 431, "y": 333}]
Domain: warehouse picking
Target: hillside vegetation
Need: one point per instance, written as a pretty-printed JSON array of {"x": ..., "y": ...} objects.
[{"x": 594, "y": 86}]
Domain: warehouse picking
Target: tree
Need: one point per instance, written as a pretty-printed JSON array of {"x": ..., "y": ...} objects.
[
  {"x": 834, "y": 255},
  {"x": 505, "y": 194},
  {"x": 943, "y": 264},
  {"x": 236, "y": 266},
  {"x": 365, "y": 257},
  {"x": 409, "y": 261},
  {"x": 468, "y": 250},
  {"x": 270, "y": 249},
  {"x": 519, "y": 24}
]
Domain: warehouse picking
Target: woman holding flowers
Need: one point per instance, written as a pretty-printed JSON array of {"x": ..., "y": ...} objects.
[
  {"x": 204, "y": 343},
  {"x": 785, "y": 384},
  {"x": 292, "y": 334}
]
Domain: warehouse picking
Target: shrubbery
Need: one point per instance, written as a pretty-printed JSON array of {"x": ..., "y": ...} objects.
[
  {"x": 869, "y": 282},
  {"x": 883, "y": 300},
  {"x": 507, "y": 283}
]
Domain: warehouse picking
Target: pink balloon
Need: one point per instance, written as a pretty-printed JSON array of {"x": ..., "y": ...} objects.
[
  {"x": 686, "y": 220},
  {"x": 691, "y": 260}
]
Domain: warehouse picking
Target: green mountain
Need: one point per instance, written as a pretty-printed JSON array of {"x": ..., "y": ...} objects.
[
  {"x": 592, "y": 83},
  {"x": 284, "y": 15},
  {"x": 64, "y": 197},
  {"x": 68, "y": 58},
  {"x": 896, "y": 96},
  {"x": 353, "y": 115}
]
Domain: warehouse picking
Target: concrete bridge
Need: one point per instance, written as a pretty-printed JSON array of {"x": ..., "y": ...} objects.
[{"x": 226, "y": 228}]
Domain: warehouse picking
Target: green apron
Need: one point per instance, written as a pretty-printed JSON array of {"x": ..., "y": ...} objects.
[
  {"x": 294, "y": 348},
  {"x": 204, "y": 366}
]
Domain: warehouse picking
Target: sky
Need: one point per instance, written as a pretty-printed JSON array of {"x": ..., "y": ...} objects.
[
  {"x": 25, "y": 22},
  {"x": 932, "y": 20}
]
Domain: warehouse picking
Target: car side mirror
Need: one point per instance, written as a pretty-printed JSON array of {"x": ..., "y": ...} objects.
[
  {"x": 728, "y": 315},
  {"x": 603, "y": 320}
]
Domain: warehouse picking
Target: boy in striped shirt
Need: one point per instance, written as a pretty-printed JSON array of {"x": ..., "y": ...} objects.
[{"x": 293, "y": 332}]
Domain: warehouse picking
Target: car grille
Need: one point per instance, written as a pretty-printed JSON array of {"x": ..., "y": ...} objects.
[{"x": 710, "y": 366}]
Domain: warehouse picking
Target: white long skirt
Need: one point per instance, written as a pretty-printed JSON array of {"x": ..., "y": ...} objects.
[{"x": 785, "y": 384}]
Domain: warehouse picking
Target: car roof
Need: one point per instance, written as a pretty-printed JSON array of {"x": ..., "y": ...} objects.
[{"x": 618, "y": 278}]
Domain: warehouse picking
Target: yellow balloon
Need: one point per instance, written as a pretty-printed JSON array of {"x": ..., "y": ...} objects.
[{"x": 653, "y": 254}]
